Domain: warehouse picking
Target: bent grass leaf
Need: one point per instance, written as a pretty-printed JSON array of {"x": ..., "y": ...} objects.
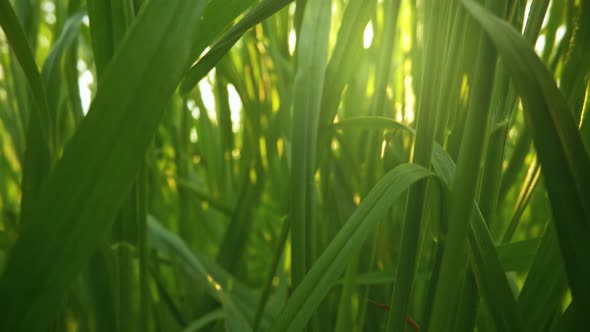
[{"x": 329, "y": 266}]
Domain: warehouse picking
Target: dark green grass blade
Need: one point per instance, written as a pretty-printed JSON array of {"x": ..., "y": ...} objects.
[
  {"x": 545, "y": 286},
  {"x": 559, "y": 147},
  {"x": 517, "y": 256},
  {"x": 485, "y": 263},
  {"x": 39, "y": 150},
  {"x": 259, "y": 13},
  {"x": 99, "y": 15},
  {"x": 330, "y": 265},
  {"x": 80, "y": 198}
]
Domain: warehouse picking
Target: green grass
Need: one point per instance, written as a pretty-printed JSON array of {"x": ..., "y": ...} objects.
[{"x": 277, "y": 165}]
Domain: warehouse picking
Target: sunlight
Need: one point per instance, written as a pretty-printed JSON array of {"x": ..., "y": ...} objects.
[
  {"x": 235, "y": 106},
  {"x": 207, "y": 94},
  {"x": 85, "y": 81},
  {"x": 368, "y": 35},
  {"x": 292, "y": 41}
]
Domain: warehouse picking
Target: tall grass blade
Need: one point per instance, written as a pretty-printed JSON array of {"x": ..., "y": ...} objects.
[{"x": 78, "y": 202}]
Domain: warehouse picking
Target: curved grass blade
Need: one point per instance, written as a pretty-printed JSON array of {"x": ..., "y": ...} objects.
[
  {"x": 565, "y": 162},
  {"x": 330, "y": 265},
  {"x": 79, "y": 201},
  {"x": 260, "y": 12}
]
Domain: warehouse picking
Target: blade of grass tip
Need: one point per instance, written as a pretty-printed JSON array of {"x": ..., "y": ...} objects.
[
  {"x": 560, "y": 150},
  {"x": 329, "y": 266},
  {"x": 312, "y": 52},
  {"x": 91, "y": 180},
  {"x": 260, "y": 12},
  {"x": 465, "y": 183}
]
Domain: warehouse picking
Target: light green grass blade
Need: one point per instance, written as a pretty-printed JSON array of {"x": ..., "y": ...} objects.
[
  {"x": 330, "y": 265},
  {"x": 80, "y": 198},
  {"x": 559, "y": 148},
  {"x": 312, "y": 57}
]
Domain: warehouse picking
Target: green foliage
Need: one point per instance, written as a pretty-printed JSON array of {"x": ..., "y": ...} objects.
[{"x": 279, "y": 165}]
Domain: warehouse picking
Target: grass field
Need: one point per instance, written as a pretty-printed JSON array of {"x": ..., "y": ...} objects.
[{"x": 306, "y": 165}]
